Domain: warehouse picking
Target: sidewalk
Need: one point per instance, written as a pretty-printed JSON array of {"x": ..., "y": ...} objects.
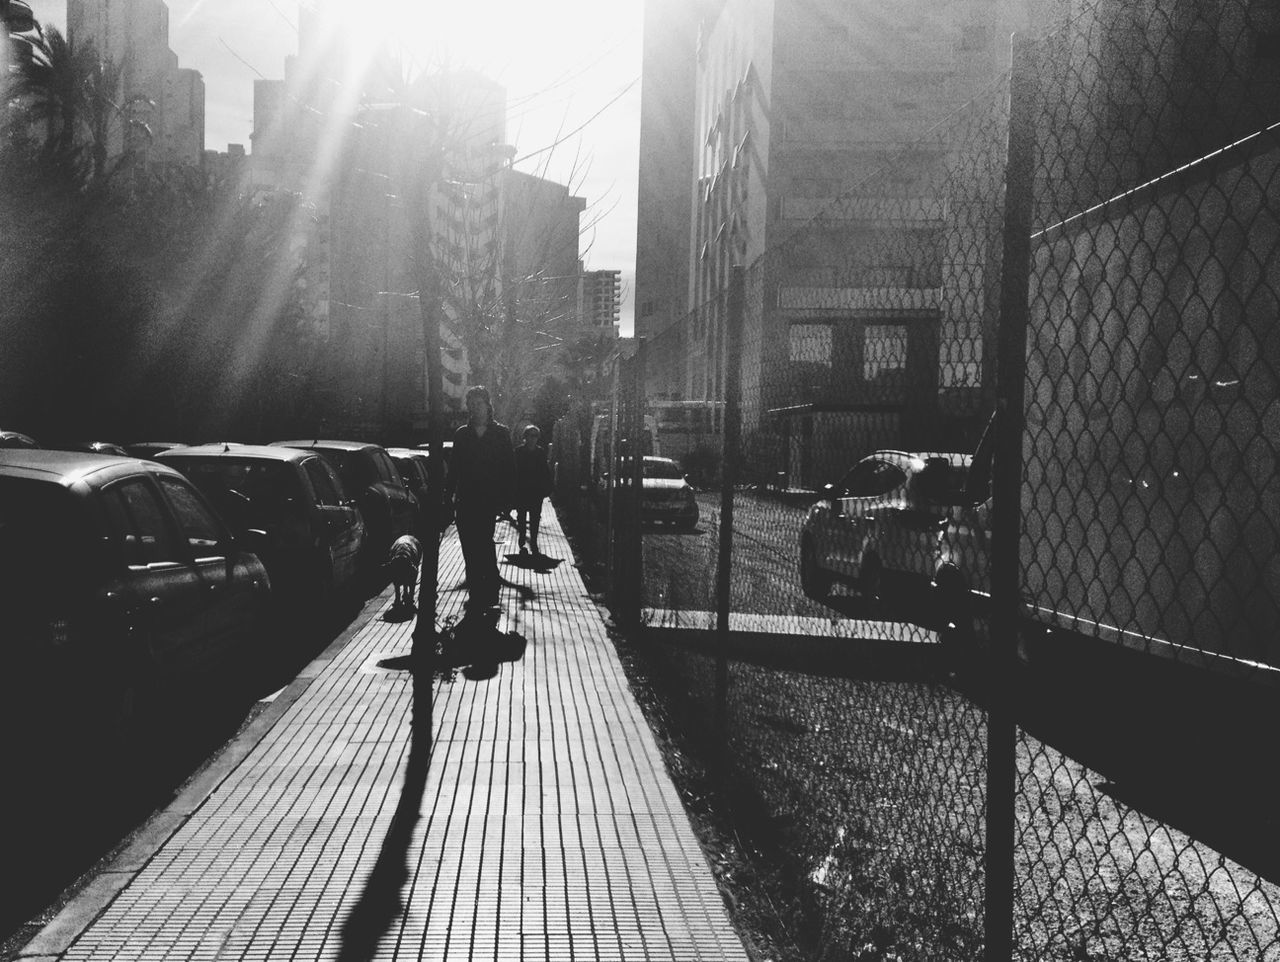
[{"x": 535, "y": 822}]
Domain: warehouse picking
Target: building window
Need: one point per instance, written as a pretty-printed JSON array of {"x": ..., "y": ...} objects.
[
  {"x": 646, "y": 309},
  {"x": 810, "y": 344},
  {"x": 884, "y": 351}
]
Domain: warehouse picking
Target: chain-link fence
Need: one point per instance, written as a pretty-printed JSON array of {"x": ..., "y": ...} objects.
[{"x": 997, "y": 684}]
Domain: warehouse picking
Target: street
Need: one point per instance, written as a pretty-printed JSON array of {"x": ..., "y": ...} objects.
[{"x": 680, "y": 567}]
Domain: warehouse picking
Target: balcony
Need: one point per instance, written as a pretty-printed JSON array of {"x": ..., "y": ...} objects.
[
  {"x": 859, "y": 300},
  {"x": 882, "y": 211}
]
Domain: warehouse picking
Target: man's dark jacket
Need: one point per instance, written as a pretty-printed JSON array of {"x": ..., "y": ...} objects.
[{"x": 482, "y": 470}]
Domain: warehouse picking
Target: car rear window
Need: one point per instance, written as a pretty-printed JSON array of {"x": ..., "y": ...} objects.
[
  {"x": 386, "y": 470},
  {"x": 323, "y": 480},
  {"x": 354, "y": 472},
  {"x": 668, "y": 470},
  {"x": 256, "y": 479}
]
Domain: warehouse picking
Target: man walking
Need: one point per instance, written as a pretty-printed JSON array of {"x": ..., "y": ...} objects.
[{"x": 482, "y": 482}]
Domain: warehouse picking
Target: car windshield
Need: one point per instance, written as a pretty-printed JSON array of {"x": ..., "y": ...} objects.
[
  {"x": 231, "y": 483},
  {"x": 667, "y": 470}
]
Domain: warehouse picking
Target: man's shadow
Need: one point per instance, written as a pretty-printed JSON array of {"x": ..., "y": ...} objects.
[
  {"x": 541, "y": 563},
  {"x": 476, "y": 645}
]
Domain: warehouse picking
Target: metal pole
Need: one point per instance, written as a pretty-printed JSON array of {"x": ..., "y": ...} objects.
[
  {"x": 416, "y": 181},
  {"x": 612, "y": 485},
  {"x": 634, "y": 567},
  {"x": 732, "y": 344},
  {"x": 1006, "y": 492}
]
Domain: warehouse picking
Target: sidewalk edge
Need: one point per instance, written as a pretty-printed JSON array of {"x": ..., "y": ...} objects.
[{"x": 84, "y": 908}]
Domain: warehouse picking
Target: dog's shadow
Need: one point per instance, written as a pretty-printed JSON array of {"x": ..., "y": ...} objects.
[{"x": 400, "y": 612}]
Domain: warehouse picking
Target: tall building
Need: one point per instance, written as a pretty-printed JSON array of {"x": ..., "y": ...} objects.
[
  {"x": 794, "y": 103},
  {"x": 541, "y": 229},
  {"x": 667, "y": 90},
  {"x": 169, "y": 100},
  {"x": 600, "y": 299},
  {"x": 503, "y": 245}
]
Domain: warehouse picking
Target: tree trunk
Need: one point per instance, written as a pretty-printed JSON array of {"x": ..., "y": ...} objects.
[{"x": 416, "y": 181}]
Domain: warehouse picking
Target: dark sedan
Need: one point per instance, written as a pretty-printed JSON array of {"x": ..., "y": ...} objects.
[{"x": 287, "y": 504}]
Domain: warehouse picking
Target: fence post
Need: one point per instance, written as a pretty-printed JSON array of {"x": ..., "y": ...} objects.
[
  {"x": 1006, "y": 511},
  {"x": 633, "y": 558},
  {"x": 611, "y": 487},
  {"x": 728, "y": 478}
]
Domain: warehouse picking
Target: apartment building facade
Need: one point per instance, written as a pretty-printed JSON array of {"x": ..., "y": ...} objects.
[{"x": 156, "y": 93}]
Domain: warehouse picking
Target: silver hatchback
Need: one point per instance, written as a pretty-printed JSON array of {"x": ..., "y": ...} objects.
[{"x": 879, "y": 526}]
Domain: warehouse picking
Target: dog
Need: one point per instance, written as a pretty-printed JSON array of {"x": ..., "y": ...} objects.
[{"x": 405, "y": 557}]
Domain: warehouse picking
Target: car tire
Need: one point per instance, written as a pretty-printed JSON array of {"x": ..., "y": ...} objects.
[{"x": 814, "y": 581}]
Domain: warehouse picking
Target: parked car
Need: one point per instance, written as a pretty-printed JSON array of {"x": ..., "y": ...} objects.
[
  {"x": 665, "y": 494},
  {"x": 120, "y": 578},
  {"x": 879, "y": 526},
  {"x": 414, "y": 466},
  {"x": 370, "y": 477},
  {"x": 12, "y": 439},
  {"x": 148, "y": 449},
  {"x": 288, "y": 504}
]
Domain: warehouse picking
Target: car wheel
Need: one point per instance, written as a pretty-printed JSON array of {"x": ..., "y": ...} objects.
[{"x": 814, "y": 582}]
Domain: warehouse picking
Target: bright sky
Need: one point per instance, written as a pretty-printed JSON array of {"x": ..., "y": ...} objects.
[{"x": 566, "y": 64}]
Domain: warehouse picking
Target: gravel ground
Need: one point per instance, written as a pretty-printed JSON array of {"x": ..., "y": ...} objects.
[
  {"x": 860, "y": 805},
  {"x": 845, "y": 817}
]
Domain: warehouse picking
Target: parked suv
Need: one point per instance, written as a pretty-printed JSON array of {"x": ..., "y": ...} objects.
[
  {"x": 120, "y": 578},
  {"x": 369, "y": 476},
  {"x": 287, "y": 504},
  {"x": 879, "y": 526}
]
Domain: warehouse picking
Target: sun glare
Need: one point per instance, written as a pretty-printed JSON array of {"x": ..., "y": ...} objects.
[{"x": 515, "y": 42}]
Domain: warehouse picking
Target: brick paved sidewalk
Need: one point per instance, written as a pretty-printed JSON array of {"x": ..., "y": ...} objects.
[{"x": 543, "y": 825}]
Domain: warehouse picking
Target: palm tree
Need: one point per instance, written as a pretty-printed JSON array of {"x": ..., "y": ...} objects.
[
  {"x": 73, "y": 92},
  {"x": 50, "y": 83},
  {"x": 99, "y": 87}
]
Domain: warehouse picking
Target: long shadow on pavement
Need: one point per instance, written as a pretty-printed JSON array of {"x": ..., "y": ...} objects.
[{"x": 477, "y": 646}]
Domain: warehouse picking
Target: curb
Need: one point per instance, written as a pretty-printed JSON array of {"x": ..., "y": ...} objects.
[{"x": 89, "y": 903}]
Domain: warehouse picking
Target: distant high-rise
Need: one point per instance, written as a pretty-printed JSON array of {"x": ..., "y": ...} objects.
[
  {"x": 502, "y": 244},
  {"x": 169, "y": 100},
  {"x": 666, "y": 159},
  {"x": 600, "y": 295}
]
